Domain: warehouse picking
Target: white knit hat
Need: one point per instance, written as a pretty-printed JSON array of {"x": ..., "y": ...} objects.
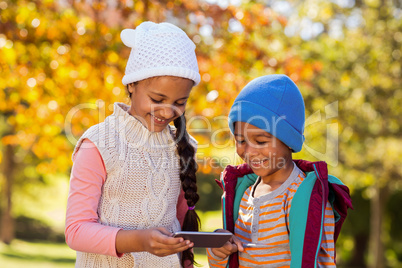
[{"x": 157, "y": 50}]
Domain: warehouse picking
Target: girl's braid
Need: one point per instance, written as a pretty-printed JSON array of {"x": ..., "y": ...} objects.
[{"x": 188, "y": 168}]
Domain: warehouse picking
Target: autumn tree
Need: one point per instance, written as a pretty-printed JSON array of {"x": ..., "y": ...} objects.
[
  {"x": 359, "y": 46},
  {"x": 62, "y": 64},
  {"x": 61, "y": 67}
]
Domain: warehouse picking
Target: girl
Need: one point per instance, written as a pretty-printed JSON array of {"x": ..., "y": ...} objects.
[
  {"x": 283, "y": 212},
  {"x": 133, "y": 180}
]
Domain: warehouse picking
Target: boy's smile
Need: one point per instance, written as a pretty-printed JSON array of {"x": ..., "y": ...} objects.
[
  {"x": 259, "y": 163},
  {"x": 266, "y": 155}
]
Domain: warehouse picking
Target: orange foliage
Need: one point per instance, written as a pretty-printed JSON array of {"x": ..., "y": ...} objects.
[{"x": 69, "y": 58}]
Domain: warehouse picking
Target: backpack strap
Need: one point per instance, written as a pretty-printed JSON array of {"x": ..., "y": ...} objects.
[
  {"x": 306, "y": 216},
  {"x": 230, "y": 183},
  {"x": 304, "y": 254},
  {"x": 234, "y": 181},
  {"x": 242, "y": 185}
]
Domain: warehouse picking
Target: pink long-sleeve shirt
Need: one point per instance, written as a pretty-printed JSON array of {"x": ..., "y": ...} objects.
[{"x": 83, "y": 232}]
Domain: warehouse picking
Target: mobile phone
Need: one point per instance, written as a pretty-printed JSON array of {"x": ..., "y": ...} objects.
[{"x": 205, "y": 239}]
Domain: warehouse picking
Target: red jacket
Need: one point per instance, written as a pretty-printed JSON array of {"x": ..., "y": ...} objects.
[{"x": 324, "y": 188}]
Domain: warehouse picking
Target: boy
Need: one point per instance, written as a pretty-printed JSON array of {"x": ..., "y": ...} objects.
[{"x": 282, "y": 212}]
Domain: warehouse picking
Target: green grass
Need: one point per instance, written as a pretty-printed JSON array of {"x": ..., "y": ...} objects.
[
  {"x": 50, "y": 255},
  {"x": 36, "y": 255}
]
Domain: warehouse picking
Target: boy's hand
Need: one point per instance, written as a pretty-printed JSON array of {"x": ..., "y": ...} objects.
[{"x": 233, "y": 245}]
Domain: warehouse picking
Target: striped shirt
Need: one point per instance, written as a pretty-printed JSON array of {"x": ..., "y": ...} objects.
[{"x": 263, "y": 228}]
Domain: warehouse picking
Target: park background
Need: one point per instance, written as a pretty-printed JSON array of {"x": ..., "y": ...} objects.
[{"x": 61, "y": 64}]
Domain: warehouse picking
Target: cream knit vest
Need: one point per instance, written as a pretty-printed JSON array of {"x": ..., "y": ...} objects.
[{"x": 142, "y": 185}]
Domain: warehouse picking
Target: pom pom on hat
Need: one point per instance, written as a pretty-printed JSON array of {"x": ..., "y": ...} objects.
[
  {"x": 128, "y": 37},
  {"x": 272, "y": 103},
  {"x": 158, "y": 50}
]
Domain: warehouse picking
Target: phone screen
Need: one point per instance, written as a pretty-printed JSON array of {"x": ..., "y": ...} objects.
[{"x": 205, "y": 239}]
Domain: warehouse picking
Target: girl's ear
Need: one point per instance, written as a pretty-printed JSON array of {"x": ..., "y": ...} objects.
[{"x": 130, "y": 87}]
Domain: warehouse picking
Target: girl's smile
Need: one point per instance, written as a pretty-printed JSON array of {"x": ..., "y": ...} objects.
[
  {"x": 157, "y": 101},
  {"x": 159, "y": 120}
]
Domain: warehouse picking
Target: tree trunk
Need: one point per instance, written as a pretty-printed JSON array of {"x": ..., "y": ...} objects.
[
  {"x": 361, "y": 242},
  {"x": 145, "y": 15},
  {"x": 7, "y": 221},
  {"x": 377, "y": 248}
]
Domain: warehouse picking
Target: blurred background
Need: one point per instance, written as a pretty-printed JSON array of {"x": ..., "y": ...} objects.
[{"x": 61, "y": 65}]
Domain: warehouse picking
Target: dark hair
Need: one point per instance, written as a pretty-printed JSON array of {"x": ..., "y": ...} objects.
[{"x": 188, "y": 167}]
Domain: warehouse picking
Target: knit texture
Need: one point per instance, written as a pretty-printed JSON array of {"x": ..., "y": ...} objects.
[
  {"x": 272, "y": 103},
  {"x": 142, "y": 185},
  {"x": 158, "y": 50}
]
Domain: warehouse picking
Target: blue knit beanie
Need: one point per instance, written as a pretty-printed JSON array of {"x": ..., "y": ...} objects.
[{"x": 272, "y": 103}]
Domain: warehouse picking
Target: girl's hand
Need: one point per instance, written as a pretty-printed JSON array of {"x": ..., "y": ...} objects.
[
  {"x": 159, "y": 241},
  {"x": 233, "y": 245}
]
